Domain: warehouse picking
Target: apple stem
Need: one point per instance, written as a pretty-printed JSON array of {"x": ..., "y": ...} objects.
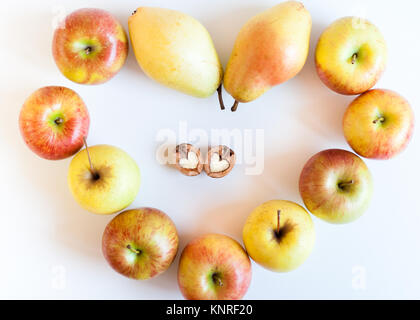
[
  {"x": 381, "y": 119},
  {"x": 92, "y": 170},
  {"x": 136, "y": 251},
  {"x": 342, "y": 185},
  {"x": 219, "y": 93},
  {"x": 235, "y": 106},
  {"x": 88, "y": 50},
  {"x": 278, "y": 221},
  {"x": 354, "y": 58}
]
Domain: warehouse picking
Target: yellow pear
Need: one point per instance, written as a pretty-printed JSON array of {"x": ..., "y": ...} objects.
[
  {"x": 175, "y": 50},
  {"x": 270, "y": 49}
]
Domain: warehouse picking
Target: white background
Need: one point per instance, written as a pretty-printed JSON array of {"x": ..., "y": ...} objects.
[{"x": 51, "y": 248}]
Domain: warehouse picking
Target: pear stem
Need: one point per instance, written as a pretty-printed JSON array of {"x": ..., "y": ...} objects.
[
  {"x": 354, "y": 58},
  {"x": 219, "y": 93},
  {"x": 278, "y": 222},
  {"x": 381, "y": 119},
  {"x": 342, "y": 185},
  {"x": 235, "y": 106},
  {"x": 92, "y": 170}
]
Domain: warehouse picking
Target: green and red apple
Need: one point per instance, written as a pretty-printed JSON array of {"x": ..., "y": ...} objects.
[
  {"x": 279, "y": 235},
  {"x": 90, "y": 46},
  {"x": 214, "y": 267},
  {"x": 336, "y": 186},
  {"x": 378, "y": 124},
  {"x": 103, "y": 179},
  {"x": 53, "y": 122},
  {"x": 351, "y": 56},
  {"x": 140, "y": 243}
]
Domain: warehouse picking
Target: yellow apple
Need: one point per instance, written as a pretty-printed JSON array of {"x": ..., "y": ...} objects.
[
  {"x": 105, "y": 184},
  {"x": 379, "y": 124},
  {"x": 351, "y": 56},
  {"x": 279, "y": 235}
]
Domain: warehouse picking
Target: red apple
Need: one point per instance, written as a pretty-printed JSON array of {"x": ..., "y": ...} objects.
[
  {"x": 378, "y": 124},
  {"x": 140, "y": 243},
  {"x": 53, "y": 122},
  {"x": 90, "y": 46},
  {"x": 214, "y": 267},
  {"x": 336, "y": 186}
]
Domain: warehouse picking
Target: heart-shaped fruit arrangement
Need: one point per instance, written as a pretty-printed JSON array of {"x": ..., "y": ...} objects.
[{"x": 90, "y": 47}]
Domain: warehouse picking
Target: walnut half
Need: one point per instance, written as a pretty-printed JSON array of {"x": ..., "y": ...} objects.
[
  {"x": 188, "y": 159},
  {"x": 220, "y": 161}
]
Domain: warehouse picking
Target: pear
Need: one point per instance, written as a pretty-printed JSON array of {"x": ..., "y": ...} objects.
[
  {"x": 175, "y": 50},
  {"x": 270, "y": 49}
]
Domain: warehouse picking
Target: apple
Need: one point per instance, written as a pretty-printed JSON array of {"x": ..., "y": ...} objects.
[
  {"x": 214, "y": 267},
  {"x": 336, "y": 186},
  {"x": 279, "y": 235},
  {"x": 90, "y": 46},
  {"x": 103, "y": 179},
  {"x": 351, "y": 56},
  {"x": 140, "y": 243},
  {"x": 378, "y": 124},
  {"x": 53, "y": 122}
]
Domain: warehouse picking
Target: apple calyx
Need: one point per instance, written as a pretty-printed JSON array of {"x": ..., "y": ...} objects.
[
  {"x": 136, "y": 251},
  {"x": 220, "y": 161},
  {"x": 188, "y": 159},
  {"x": 94, "y": 173}
]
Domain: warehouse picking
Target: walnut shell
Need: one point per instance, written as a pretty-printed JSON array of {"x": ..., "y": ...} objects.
[
  {"x": 224, "y": 153},
  {"x": 182, "y": 152}
]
